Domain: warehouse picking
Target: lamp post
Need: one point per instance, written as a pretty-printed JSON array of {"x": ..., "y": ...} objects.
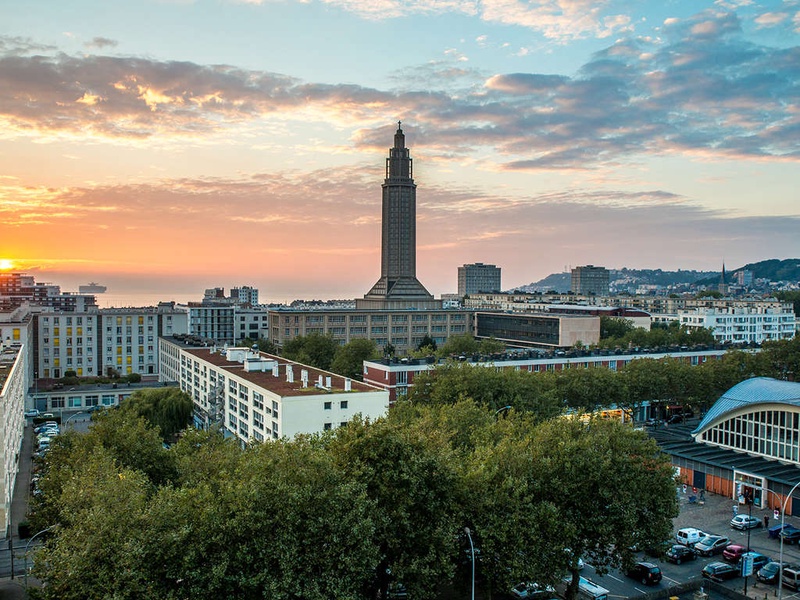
[
  {"x": 27, "y": 546},
  {"x": 80, "y": 412},
  {"x": 501, "y": 409},
  {"x": 749, "y": 529},
  {"x": 783, "y": 522},
  {"x": 472, "y": 551}
]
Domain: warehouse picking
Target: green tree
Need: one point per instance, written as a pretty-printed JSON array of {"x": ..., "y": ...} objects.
[
  {"x": 315, "y": 350},
  {"x": 411, "y": 479},
  {"x": 349, "y": 359},
  {"x": 427, "y": 344},
  {"x": 457, "y": 345},
  {"x": 614, "y": 327},
  {"x": 168, "y": 408},
  {"x": 612, "y": 487}
]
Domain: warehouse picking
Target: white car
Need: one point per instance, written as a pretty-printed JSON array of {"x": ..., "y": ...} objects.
[
  {"x": 744, "y": 522},
  {"x": 32, "y": 413}
]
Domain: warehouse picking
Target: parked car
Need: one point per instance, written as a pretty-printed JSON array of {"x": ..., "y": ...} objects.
[
  {"x": 32, "y": 413},
  {"x": 743, "y": 522},
  {"x": 533, "y": 591},
  {"x": 733, "y": 552},
  {"x": 719, "y": 571},
  {"x": 711, "y": 545},
  {"x": 689, "y": 536},
  {"x": 658, "y": 550},
  {"x": 790, "y": 534},
  {"x": 674, "y": 420},
  {"x": 646, "y": 572},
  {"x": 759, "y": 560},
  {"x": 679, "y": 553},
  {"x": 770, "y": 572},
  {"x": 790, "y": 577}
]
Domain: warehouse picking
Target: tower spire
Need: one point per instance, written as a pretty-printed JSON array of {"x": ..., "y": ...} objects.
[{"x": 398, "y": 282}]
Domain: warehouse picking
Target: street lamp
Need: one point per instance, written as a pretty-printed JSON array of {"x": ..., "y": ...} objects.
[
  {"x": 80, "y": 412},
  {"x": 783, "y": 521},
  {"x": 472, "y": 551},
  {"x": 28, "y": 546},
  {"x": 499, "y": 410}
]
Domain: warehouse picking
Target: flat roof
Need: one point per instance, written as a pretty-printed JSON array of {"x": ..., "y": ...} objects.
[{"x": 279, "y": 385}]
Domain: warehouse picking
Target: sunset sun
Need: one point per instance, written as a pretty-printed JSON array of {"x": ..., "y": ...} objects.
[{"x": 6, "y": 264}]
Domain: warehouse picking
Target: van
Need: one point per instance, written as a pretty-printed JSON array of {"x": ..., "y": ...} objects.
[
  {"x": 791, "y": 577},
  {"x": 588, "y": 589},
  {"x": 689, "y": 536}
]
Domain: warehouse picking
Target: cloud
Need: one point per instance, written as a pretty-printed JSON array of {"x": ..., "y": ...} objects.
[
  {"x": 101, "y": 42},
  {"x": 701, "y": 90}
]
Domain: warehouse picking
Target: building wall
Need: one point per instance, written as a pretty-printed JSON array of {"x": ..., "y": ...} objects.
[
  {"x": 91, "y": 343},
  {"x": 748, "y": 324},
  {"x": 12, "y": 421},
  {"x": 590, "y": 280},
  {"x": 478, "y": 277},
  {"x": 403, "y": 329},
  {"x": 541, "y": 330}
]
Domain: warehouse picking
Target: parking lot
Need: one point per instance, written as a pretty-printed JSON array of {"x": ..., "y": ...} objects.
[{"x": 713, "y": 516}]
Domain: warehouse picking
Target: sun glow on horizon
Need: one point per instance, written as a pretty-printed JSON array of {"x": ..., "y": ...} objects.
[{"x": 6, "y": 264}]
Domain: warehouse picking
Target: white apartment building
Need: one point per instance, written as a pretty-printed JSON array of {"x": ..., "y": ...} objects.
[
  {"x": 123, "y": 340},
  {"x": 255, "y": 396},
  {"x": 743, "y": 324},
  {"x": 13, "y": 386}
]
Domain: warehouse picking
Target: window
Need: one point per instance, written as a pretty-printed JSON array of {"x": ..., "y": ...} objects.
[
  {"x": 327, "y": 405},
  {"x": 343, "y": 404},
  {"x": 326, "y": 427}
]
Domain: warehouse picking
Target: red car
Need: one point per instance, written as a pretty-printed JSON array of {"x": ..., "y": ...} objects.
[{"x": 733, "y": 553}]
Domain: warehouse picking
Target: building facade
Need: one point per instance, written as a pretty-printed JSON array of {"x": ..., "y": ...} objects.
[
  {"x": 105, "y": 341},
  {"x": 590, "y": 281},
  {"x": 254, "y": 396},
  {"x": 746, "y": 447},
  {"x": 13, "y": 385},
  {"x": 538, "y": 330},
  {"x": 478, "y": 277},
  {"x": 743, "y": 324},
  {"x": 402, "y": 329}
]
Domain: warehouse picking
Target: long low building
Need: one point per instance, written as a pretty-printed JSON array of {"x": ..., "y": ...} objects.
[
  {"x": 255, "y": 396},
  {"x": 397, "y": 375},
  {"x": 746, "y": 447}
]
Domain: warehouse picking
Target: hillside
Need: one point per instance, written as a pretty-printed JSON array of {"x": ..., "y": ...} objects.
[{"x": 771, "y": 270}]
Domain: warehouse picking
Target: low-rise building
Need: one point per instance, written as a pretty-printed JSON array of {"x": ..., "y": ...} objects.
[
  {"x": 255, "y": 396},
  {"x": 397, "y": 375}
]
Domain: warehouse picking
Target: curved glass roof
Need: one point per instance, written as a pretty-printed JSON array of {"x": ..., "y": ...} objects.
[{"x": 758, "y": 390}]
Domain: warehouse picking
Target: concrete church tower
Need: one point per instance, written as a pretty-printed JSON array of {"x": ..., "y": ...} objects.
[{"x": 398, "y": 286}]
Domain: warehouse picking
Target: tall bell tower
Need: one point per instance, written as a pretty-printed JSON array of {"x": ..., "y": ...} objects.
[{"x": 398, "y": 286}]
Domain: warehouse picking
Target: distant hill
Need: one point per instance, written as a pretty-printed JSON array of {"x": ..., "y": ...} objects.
[{"x": 771, "y": 270}]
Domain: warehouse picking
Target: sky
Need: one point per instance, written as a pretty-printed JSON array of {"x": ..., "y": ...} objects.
[{"x": 170, "y": 146}]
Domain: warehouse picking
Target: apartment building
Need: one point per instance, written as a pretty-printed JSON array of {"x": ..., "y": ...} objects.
[
  {"x": 478, "y": 277},
  {"x": 743, "y": 324},
  {"x": 13, "y": 386},
  {"x": 94, "y": 343},
  {"x": 254, "y": 396}
]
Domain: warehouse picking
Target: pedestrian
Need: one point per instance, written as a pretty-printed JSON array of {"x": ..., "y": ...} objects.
[
  {"x": 735, "y": 509},
  {"x": 766, "y": 521}
]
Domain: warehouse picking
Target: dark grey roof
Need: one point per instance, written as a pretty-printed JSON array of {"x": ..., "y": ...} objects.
[
  {"x": 758, "y": 390},
  {"x": 677, "y": 442}
]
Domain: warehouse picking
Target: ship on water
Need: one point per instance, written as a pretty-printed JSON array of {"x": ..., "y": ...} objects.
[{"x": 92, "y": 288}]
